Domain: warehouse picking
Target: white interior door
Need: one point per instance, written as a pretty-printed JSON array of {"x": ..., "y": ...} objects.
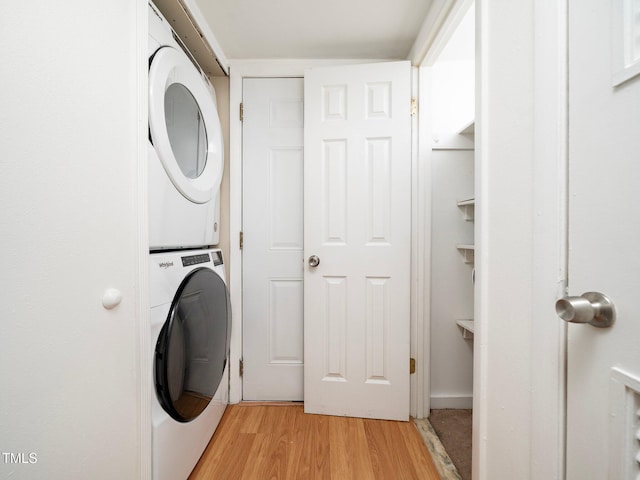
[
  {"x": 603, "y": 398},
  {"x": 357, "y": 211},
  {"x": 272, "y": 226}
]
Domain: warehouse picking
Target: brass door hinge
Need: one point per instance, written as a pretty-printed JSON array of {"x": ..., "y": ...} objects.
[
  {"x": 241, "y": 367},
  {"x": 241, "y": 111},
  {"x": 414, "y": 107},
  {"x": 241, "y": 240},
  {"x": 412, "y": 365}
]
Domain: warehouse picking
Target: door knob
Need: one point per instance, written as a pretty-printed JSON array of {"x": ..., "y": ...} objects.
[
  {"x": 111, "y": 298},
  {"x": 314, "y": 261},
  {"x": 591, "y": 307}
]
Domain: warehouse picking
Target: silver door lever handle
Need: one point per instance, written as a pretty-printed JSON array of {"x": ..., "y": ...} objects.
[{"x": 593, "y": 308}]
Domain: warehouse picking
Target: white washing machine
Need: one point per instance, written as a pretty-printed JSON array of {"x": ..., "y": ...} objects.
[
  {"x": 185, "y": 150},
  {"x": 190, "y": 331}
]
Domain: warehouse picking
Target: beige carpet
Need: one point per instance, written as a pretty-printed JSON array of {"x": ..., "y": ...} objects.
[{"x": 453, "y": 428}]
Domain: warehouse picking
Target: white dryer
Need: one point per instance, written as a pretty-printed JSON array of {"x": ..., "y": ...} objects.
[
  {"x": 190, "y": 330},
  {"x": 185, "y": 150}
]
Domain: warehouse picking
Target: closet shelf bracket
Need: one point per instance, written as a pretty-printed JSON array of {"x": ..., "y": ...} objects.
[{"x": 467, "y": 252}]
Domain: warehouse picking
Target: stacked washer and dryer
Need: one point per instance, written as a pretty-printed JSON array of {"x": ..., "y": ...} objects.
[{"x": 190, "y": 309}]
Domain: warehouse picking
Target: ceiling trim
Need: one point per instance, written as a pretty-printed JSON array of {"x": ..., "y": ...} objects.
[
  {"x": 440, "y": 23},
  {"x": 281, "y": 67},
  {"x": 198, "y": 19}
]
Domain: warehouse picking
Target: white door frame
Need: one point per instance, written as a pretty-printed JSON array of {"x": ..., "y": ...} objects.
[
  {"x": 295, "y": 68},
  {"x": 521, "y": 149},
  {"x": 550, "y": 238}
]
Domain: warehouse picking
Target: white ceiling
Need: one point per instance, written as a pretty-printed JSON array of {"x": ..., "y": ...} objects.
[{"x": 369, "y": 29}]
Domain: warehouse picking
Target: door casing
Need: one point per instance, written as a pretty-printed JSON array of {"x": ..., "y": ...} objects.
[{"x": 520, "y": 240}]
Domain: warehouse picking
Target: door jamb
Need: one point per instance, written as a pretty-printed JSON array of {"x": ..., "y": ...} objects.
[{"x": 540, "y": 28}]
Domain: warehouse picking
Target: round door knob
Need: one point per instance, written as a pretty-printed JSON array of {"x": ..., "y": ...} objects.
[
  {"x": 111, "y": 298},
  {"x": 314, "y": 261},
  {"x": 591, "y": 307}
]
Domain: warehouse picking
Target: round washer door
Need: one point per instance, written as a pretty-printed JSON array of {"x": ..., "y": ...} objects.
[
  {"x": 193, "y": 346},
  {"x": 184, "y": 125}
]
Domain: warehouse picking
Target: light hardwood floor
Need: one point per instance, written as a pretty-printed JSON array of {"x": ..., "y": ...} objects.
[{"x": 280, "y": 442}]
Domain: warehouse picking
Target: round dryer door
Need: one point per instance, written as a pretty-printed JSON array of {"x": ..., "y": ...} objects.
[
  {"x": 184, "y": 125},
  {"x": 193, "y": 346}
]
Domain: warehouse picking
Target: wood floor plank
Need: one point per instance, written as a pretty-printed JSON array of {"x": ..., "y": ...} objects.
[
  {"x": 302, "y": 459},
  {"x": 251, "y": 418},
  {"x": 321, "y": 453},
  {"x": 218, "y": 446},
  {"x": 281, "y": 442},
  {"x": 354, "y": 443},
  {"x": 276, "y": 465},
  {"x": 339, "y": 448},
  {"x": 230, "y": 464},
  {"x": 381, "y": 439},
  {"x": 417, "y": 451},
  {"x": 258, "y": 457}
]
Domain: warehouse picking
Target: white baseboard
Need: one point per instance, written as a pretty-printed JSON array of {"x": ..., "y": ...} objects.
[{"x": 456, "y": 401}]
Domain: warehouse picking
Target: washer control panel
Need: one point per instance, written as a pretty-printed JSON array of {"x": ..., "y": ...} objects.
[{"x": 195, "y": 259}]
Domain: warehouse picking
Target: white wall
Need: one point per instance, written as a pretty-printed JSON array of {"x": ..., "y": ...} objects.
[
  {"x": 453, "y": 96},
  {"x": 452, "y": 173},
  {"x": 72, "y": 132},
  {"x": 504, "y": 239}
]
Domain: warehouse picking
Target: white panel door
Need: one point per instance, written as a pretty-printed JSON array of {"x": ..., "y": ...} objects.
[
  {"x": 603, "y": 404},
  {"x": 357, "y": 222},
  {"x": 272, "y": 226}
]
